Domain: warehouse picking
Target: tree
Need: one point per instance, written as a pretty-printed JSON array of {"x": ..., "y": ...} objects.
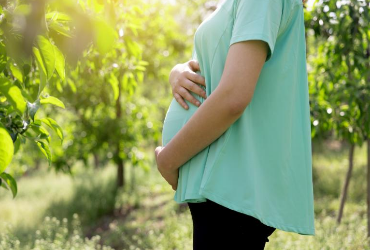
[
  {"x": 35, "y": 38},
  {"x": 340, "y": 95}
]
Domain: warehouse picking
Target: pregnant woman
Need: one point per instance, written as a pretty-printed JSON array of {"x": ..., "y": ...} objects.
[{"x": 242, "y": 159}]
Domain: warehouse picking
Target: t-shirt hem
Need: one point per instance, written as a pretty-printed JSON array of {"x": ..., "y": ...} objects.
[
  {"x": 188, "y": 197},
  {"x": 225, "y": 202}
]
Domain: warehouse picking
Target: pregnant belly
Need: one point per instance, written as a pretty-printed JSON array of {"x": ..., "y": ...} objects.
[
  {"x": 176, "y": 118},
  {"x": 190, "y": 173}
]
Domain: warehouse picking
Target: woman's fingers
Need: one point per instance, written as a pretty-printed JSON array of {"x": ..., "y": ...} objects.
[
  {"x": 186, "y": 81},
  {"x": 194, "y": 65},
  {"x": 195, "y": 78},
  {"x": 180, "y": 101},
  {"x": 190, "y": 83},
  {"x": 184, "y": 93}
]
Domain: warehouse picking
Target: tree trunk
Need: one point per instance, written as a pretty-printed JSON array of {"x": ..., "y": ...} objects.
[
  {"x": 96, "y": 160},
  {"x": 120, "y": 170},
  {"x": 345, "y": 187},
  {"x": 368, "y": 187},
  {"x": 120, "y": 173},
  {"x": 37, "y": 163},
  {"x": 132, "y": 178}
]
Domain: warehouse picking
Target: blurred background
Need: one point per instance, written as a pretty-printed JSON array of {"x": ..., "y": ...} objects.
[{"x": 83, "y": 93}]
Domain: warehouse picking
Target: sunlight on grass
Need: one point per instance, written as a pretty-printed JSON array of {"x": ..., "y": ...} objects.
[
  {"x": 145, "y": 216},
  {"x": 50, "y": 194}
]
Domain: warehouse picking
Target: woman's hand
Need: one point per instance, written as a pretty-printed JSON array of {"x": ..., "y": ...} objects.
[
  {"x": 182, "y": 79},
  {"x": 171, "y": 176}
]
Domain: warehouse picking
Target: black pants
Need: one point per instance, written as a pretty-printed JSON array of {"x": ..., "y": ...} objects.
[{"x": 216, "y": 227}]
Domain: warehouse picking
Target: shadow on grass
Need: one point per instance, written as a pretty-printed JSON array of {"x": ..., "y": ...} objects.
[
  {"x": 157, "y": 221},
  {"x": 92, "y": 199}
]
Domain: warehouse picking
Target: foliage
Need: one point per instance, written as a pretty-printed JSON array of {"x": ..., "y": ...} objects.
[
  {"x": 340, "y": 77},
  {"x": 35, "y": 38},
  {"x": 109, "y": 121}
]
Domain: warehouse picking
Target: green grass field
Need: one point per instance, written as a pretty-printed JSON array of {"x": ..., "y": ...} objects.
[{"x": 56, "y": 211}]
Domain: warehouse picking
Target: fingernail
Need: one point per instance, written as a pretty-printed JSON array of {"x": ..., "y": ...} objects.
[{"x": 198, "y": 104}]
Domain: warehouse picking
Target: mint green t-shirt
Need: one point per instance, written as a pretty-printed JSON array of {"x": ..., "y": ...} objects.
[{"x": 262, "y": 165}]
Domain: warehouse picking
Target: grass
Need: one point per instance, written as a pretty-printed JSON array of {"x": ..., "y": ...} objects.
[
  {"x": 148, "y": 218},
  {"x": 47, "y": 194}
]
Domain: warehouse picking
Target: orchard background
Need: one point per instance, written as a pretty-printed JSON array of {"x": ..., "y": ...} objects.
[{"x": 83, "y": 93}]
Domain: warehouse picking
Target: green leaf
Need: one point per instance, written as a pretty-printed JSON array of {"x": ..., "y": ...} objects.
[
  {"x": 3, "y": 57},
  {"x": 45, "y": 150},
  {"x": 17, "y": 73},
  {"x": 13, "y": 94},
  {"x": 54, "y": 125},
  {"x": 127, "y": 81},
  {"x": 60, "y": 63},
  {"x": 140, "y": 68},
  {"x": 143, "y": 63},
  {"x": 60, "y": 29},
  {"x": 17, "y": 145},
  {"x": 54, "y": 15},
  {"x": 39, "y": 60},
  {"x": 41, "y": 67},
  {"x": 52, "y": 100},
  {"x": 140, "y": 77},
  {"x": 72, "y": 85},
  {"x": 114, "y": 83},
  {"x": 47, "y": 52},
  {"x": 2, "y": 184},
  {"x": 132, "y": 47},
  {"x": 12, "y": 184},
  {"x": 105, "y": 36},
  {"x": 59, "y": 86},
  {"x": 41, "y": 132},
  {"x": 6, "y": 148},
  {"x": 32, "y": 108}
]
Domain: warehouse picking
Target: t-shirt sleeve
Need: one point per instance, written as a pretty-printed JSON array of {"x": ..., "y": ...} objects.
[{"x": 257, "y": 20}]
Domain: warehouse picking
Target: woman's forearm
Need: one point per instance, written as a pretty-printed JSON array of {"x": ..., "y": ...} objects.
[
  {"x": 222, "y": 108},
  {"x": 208, "y": 123}
]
